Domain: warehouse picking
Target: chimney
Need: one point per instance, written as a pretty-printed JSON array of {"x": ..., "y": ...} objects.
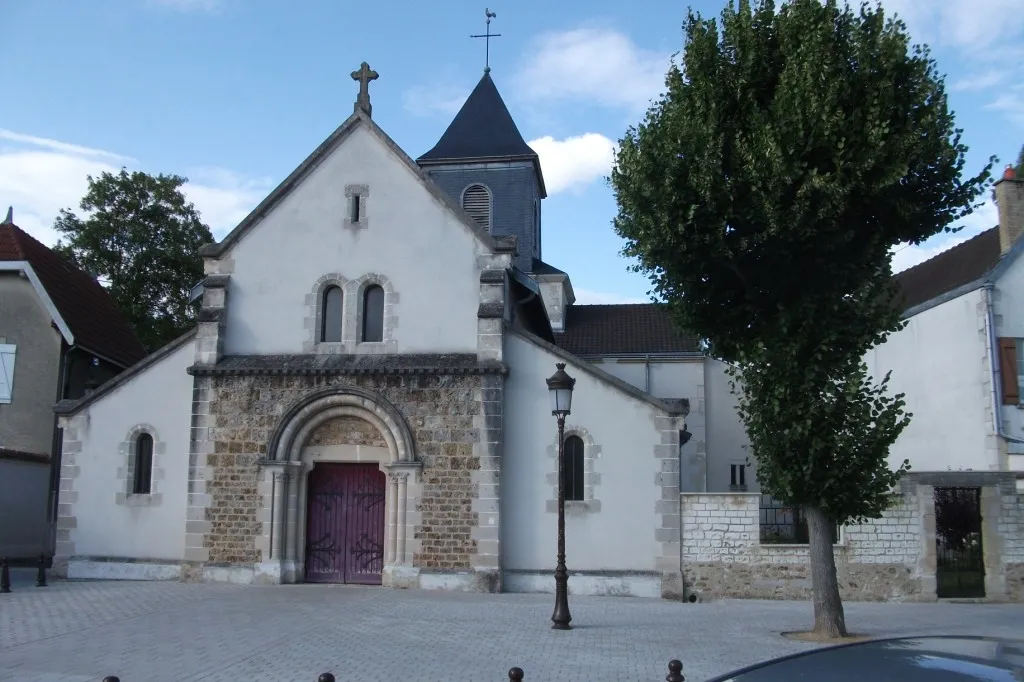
[{"x": 1010, "y": 202}]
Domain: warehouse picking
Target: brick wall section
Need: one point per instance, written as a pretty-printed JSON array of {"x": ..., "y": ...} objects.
[
  {"x": 443, "y": 413},
  {"x": 723, "y": 556},
  {"x": 896, "y": 538}
]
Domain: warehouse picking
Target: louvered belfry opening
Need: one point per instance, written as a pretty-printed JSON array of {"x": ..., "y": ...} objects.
[{"x": 477, "y": 202}]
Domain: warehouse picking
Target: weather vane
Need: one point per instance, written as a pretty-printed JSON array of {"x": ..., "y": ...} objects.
[{"x": 487, "y": 36}]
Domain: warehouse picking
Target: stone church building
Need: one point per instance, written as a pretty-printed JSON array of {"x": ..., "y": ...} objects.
[
  {"x": 350, "y": 411},
  {"x": 322, "y": 423}
]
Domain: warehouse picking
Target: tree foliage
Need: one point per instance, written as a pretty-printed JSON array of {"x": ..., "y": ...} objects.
[
  {"x": 141, "y": 238},
  {"x": 762, "y": 195}
]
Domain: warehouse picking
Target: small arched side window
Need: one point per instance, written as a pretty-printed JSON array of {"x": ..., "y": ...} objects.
[
  {"x": 573, "y": 472},
  {"x": 373, "y": 313},
  {"x": 477, "y": 202},
  {"x": 142, "y": 481},
  {"x": 330, "y": 315}
]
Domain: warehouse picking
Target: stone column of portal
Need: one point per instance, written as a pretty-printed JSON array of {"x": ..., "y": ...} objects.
[
  {"x": 292, "y": 527},
  {"x": 392, "y": 547},
  {"x": 403, "y": 489}
]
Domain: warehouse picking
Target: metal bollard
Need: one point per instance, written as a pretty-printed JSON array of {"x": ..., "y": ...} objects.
[
  {"x": 325, "y": 677},
  {"x": 41, "y": 573},
  {"x": 515, "y": 674},
  {"x": 5, "y": 577},
  {"x": 675, "y": 671}
]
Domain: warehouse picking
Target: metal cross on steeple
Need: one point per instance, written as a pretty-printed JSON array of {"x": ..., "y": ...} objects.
[
  {"x": 364, "y": 75},
  {"x": 490, "y": 15}
]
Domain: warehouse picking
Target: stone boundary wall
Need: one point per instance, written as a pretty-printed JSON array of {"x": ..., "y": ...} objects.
[
  {"x": 891, "y": 558},
  {"x": 1010, "y": 543},
  {"x": 724, "y": 558}
]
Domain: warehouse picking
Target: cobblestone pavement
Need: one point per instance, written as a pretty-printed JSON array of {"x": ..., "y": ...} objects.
[{"x": 173, "y": 632}]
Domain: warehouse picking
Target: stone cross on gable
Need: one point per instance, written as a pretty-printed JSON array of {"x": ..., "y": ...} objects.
[{"x": 364, "y": 75}]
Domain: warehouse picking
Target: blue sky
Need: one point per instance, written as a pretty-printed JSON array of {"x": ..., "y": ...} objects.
[{"x": 235, "y": 93}]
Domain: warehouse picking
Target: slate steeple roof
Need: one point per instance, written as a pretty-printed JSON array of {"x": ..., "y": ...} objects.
[{"x": 483, "y": 128}]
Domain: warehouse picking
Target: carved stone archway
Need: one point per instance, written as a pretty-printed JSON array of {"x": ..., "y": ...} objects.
[{"x": 282, "y": 542}]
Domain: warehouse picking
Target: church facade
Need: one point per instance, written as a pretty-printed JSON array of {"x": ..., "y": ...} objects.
[{"x": 349, "y": 411}]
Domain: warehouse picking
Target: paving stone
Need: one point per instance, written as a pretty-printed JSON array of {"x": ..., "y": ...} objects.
[{"x": 174, "y": 632}]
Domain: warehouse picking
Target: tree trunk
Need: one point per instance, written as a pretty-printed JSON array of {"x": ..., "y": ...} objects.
[{"x": 829, "y": 619}]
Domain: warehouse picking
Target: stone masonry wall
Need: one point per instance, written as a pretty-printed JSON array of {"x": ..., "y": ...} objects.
[
  {"x": 445, "y": 414},
  {"x": 1010, "y": 528},
  {"x": 346, "y": 430},
  {"x": 724, "y": 558}
]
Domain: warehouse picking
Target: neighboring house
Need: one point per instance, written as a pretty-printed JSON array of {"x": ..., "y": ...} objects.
[
  {"x": 364, "y": 401},
  {"x": 957, "y": 358},
  {"x": 59, "y": 333}
]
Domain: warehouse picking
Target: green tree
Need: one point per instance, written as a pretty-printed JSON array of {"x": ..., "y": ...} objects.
[
  {"x": 1020, "y": 163},
  {"x": 141, "y": 238},
  {"x": 762, "y": 194}
]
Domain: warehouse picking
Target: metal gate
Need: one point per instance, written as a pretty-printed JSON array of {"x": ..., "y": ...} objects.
[
  {"x": 960, "y": 560},
  {"x": 345, "y": 524}
]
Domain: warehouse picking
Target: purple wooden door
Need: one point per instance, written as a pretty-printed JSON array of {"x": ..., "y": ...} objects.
[{"x": 345, "y": 524}]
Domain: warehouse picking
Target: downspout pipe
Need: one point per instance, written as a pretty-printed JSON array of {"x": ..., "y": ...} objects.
[
  {"x": 647, "y": 373},
  {"x": 994, "y": 366}
]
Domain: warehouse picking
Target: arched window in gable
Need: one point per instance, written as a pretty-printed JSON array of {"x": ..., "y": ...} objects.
[
  {"x": 373, "y": 314},
  {"x": 573, "y": 472},
  {"x": 477, "y": 202},
  {"x": 330, "y": 315},
  {"x": 142, "y": 480}
]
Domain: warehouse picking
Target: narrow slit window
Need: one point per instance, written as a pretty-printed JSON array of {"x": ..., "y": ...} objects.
[
  {"x": 142, "y": 481},
  {"x": 330, "y": 315},
  {"x": 373, "y": 314},
  {"x": 573, "y": 471},
  {"x": 356, "y": 206}
]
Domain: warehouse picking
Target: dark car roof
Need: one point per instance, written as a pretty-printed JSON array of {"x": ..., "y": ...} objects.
[{"x": 906, "y": 659}]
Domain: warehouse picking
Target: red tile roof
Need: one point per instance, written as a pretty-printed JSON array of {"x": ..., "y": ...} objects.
[
  {"x": 83, "y": 304},
  {"x": 621, "y": 329},
  {"x": 960, "y": 265},
  {"x": 647, "y": 328}
]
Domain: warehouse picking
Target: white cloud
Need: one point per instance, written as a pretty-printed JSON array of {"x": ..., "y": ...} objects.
[
  {"x": 905, "y": 256},
  {"x": 38, "y": 183},
  {"x": 1011, "y": 103},
  {"x": 40, "y": 176},
  {"x": 57, "y": 146},
  {"x": 980, "y": 81},
  {"x": 978, "y": 32},
  {"x": 592, "y": 64},
  {"x": 224, "y": 197},
  {"x": 969, "y": 25},
  {"x": 443, "y": 100},
  {"x": 589, "y": 297},
  {"x": 574, "y": 161}
]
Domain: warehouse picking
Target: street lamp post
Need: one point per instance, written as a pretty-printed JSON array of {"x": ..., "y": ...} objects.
[{"x": 560, "y": 388}]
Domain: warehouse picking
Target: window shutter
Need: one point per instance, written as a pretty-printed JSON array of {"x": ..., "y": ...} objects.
[
  {"x": 7, "y": 357},
  {"x": 477, "y": 202},
  {"x": 1008, "y": 370}
]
